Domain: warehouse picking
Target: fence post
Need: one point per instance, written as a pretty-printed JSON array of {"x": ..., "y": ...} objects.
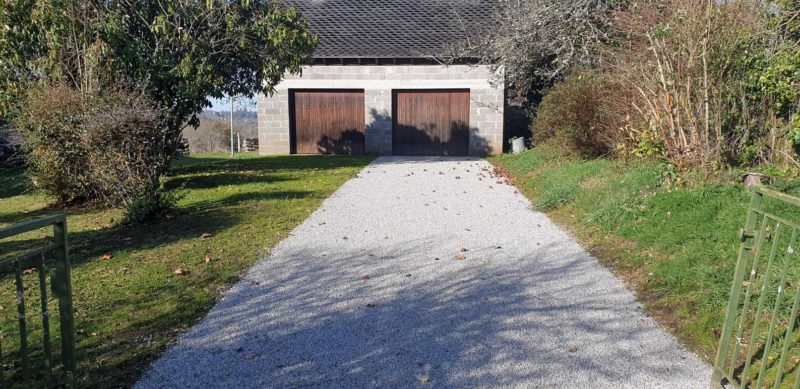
[
  {"x": 62, "y": 287},
  {"x": 748, "y": 237}
]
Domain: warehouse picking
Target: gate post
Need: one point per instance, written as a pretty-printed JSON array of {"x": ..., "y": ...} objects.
[{"x": 747, "y": 236}]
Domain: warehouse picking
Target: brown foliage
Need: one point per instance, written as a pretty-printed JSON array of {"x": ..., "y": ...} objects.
[
  {"x": 678, "y": 55},
  {"x": 587, "y": 113},
  {"x": 93, "y": 146}
]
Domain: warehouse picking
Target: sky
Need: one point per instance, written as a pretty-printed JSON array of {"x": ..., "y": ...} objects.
[{"x": 225, "y": 105}]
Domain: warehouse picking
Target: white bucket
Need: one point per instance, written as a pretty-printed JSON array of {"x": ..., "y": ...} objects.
[{"x": 518, "y": 145}]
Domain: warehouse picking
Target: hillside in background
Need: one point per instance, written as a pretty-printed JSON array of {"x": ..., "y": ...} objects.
[{"x": 213, "y": 133}]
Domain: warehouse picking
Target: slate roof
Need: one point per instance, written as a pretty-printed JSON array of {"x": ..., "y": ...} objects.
[{"x": 392, "y": 28}]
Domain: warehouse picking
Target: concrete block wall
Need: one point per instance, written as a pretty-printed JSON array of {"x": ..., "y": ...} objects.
[
  {"x": 486, "y": 102},
  {"x": 273, "y": 123}
]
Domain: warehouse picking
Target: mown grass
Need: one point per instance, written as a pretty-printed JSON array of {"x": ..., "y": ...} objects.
[
  {"x": 676, "y": 247},
  {"x": 128, "y": 308}
]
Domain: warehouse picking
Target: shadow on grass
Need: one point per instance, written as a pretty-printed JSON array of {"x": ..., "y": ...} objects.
[
  {"x": 268, "y": 164},
  {"x": 13, "y": 182},
  {"x": 122, "y": 350},
  {"x": 216, "y": 179},
  {"x": 189, "y": 222}
]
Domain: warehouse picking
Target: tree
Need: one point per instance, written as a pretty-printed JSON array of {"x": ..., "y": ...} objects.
[
  {"x": 538, "y": 41},
  {"x": 182, "y": 51}
]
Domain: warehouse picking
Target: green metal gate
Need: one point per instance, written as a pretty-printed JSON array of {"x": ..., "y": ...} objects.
[
  {"x": 760, "y": 339},
  {"x": 34, "y": 365}
]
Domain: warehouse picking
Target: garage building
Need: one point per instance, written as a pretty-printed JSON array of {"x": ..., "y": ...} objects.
[{"x": 376, "y": 85}]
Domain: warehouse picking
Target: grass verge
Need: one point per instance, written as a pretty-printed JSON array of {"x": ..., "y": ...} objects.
[
  {"x": 129, "y": 307},
  {"x": 675, "y": 247}
]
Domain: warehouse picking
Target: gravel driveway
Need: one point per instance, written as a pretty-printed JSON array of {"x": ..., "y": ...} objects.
[{"x": 427, "y": 272}]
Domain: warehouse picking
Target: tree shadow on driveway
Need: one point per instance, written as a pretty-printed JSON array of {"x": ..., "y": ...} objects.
[{"x": 304, "y": 318}]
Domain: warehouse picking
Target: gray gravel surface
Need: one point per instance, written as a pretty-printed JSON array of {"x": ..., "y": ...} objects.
[{"x": 427, "y": 272}]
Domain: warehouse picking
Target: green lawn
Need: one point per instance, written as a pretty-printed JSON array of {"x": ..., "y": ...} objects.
[
  {"x": 675, "y": 246},
  {"x": 130, "y": 307}
]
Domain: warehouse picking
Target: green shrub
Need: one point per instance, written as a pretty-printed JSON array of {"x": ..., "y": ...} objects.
[
  {"x": 51, "y": 123},
  {"x": 580, "y": 114},
  {"x": 151, "y": 207},
  {"x": 81, "y": 146},
  {"x": 126, "y": 145}
]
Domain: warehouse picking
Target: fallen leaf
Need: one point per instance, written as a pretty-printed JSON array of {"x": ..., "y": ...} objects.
[
  {"x": 365, "y": 277},
  {"x": 460, "y": 257},
  {"x": 181, "y": 271},
  {"x": 106, "y": 256},
  {"x": 205, "y": 235},
  {"x": 423, "y": 378}
]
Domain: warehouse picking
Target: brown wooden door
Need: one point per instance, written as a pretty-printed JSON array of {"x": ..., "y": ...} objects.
[
  {"x": 430, "y": 122},
  {"x": 327, "y": 121}
]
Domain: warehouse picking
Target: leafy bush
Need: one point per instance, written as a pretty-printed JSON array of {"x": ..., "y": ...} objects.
[
  {"x": 579, "y": 113},
  {"x": 82, "y": 147},
  {"x": 51, "y": 123},
  {"x": 714, "y": 80},
  {"x": 150, "y": 207},
  {"x": 125, "y": 141}
]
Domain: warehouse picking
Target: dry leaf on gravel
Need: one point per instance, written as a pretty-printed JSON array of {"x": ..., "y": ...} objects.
[{"x": 460, "y": 257}]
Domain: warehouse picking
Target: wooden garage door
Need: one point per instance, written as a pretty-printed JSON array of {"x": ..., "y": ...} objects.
[
  {"x": 430, "y": 122},
  {"x": 327, "y": 121}
]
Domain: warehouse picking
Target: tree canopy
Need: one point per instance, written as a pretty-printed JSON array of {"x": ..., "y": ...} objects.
[{"x": 180, "y": 52}]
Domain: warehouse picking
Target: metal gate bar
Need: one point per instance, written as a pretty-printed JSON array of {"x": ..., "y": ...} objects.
[
  {"x": 60, "y": 283},
  {"x": 759, "y": 345}
]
